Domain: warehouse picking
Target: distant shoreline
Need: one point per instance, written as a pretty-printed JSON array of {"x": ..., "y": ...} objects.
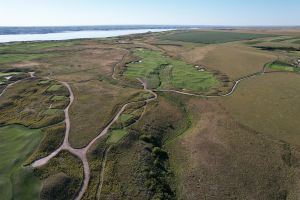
[
  {"x": 72, "y": 35},
  {"x": 18, "y": 30}
]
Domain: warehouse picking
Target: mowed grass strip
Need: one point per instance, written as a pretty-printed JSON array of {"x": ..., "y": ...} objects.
[
  {"x": 281, "y": 66},
  {"x": 116, "y": 135},
  {"x": 162, "y": 72},
  {"x": 211, "y": 37},
  {"x": 17, "y": 143}
]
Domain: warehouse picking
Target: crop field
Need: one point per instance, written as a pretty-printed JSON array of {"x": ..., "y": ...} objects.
[
  {"x": 17, "y": 143},
  {"x": 211, "y": 37},
  {"x": 162, "y": 72}
]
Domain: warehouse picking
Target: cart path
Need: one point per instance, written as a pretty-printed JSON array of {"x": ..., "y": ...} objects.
[
  {"x": 82, "y": 153},
  {"x": 31, "y": 74}
]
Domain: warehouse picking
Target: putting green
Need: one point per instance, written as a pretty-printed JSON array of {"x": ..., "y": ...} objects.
[{"x": 16, "y": 144}]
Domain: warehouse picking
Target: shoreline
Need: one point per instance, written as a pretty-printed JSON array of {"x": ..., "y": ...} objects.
[{"x": 74, "y": 35}]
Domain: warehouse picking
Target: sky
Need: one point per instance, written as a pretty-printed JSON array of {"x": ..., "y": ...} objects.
[{"x": 160, "y": 12}]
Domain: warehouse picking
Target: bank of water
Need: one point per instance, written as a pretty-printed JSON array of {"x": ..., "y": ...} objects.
[{"x": 73, "y": 35}]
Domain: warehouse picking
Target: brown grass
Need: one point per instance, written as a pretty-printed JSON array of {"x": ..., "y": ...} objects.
[
  {"x": 94, "y": 105},
  {"x": 269, "y": 104},
  {"x": 236, "y": 61},
  {"x": 218, "y": 158}
]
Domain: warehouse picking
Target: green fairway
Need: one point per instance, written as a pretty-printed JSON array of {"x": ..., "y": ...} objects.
[
  {"x": 162, "y": 72},
  {"x": 211, "y": 37},
  {"x": 281, "y": 66},
  {"x": 58, "y": 98},
  {"x": 8, "y": 74},
  {"x": 54, "y": 88},
  {"x": 116, "y": 135},
  {"x": 125, "y": 117},
  {"x": 296, "y": 42},
  {"x": 17, "y": 143},
  {"x": 3, "y": 76}
]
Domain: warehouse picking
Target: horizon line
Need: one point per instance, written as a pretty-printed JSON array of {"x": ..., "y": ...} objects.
[{"x": 149, "y": 25}]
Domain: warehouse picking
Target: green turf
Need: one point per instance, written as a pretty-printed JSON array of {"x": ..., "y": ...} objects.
[
  {"x": 58, "y": 98},
  {"x": 125, "y": 117},
  {"x": 54, "y": 88},
  {"x": 13, "y": 58},
  {"x": 116, "y": 135},
  {"x": 8, "y": 73},
  {"x": 296, "y": 42},
  {"x": 211, "y": 37},
  {"x": 33, "y": 46},
  {"x": 53, "y": 111},
  {"x": 17, "y": 143},
  {"x": 162, "y": 72},
  {"x": 44, "y": 82},
  {"x": 280, "y": 66}
]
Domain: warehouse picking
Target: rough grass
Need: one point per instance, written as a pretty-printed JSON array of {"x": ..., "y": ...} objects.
[
  {"x": 95, "y": 158},
  {"x": 269, "y": 104},
  {"x": 211, "y": 37},
  {"x": 53, "y": 138},
  {"x": 217, "y": 158},
  {"x": 95, "y": 104},
  {"x": 162, "y": 72},
  {"x": 62, "y": 177},
  {"x": 32, "y": 102},
  {"x": 132, "y": 162},
  {"x": 296, "y": 42},
  {"x": 14, "y": 58},
  {"x": 236, "y": 60},
  {"x": 34, "y": 46},
  {"x": 17, "y": 143}
]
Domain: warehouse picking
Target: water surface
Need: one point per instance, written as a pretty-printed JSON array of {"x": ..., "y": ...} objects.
[{"x": 73, "y": 35}]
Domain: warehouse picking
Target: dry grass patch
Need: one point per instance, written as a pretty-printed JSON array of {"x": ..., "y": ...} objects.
[
  {"x": 220, "y": 159},
  {"x": 270, "y": 105},
  {"x": 94, "y": 105},
  {"x": 237, "y": 61}
]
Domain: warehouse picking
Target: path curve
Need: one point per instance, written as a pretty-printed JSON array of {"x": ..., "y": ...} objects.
[
  {"x": 31, "y": 74},
  {"x": 230, "y": 92},
  {"x": 82, "y": 153},
  {"x": 124, "y": 107}
]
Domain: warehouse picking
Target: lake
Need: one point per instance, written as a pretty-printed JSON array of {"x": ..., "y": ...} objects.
[{"x": 73, "y": 35}]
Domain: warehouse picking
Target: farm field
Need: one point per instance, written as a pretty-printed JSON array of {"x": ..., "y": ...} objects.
[
  {"x": 191, "y": 115},
  {"x": 211, "y": 37}
]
